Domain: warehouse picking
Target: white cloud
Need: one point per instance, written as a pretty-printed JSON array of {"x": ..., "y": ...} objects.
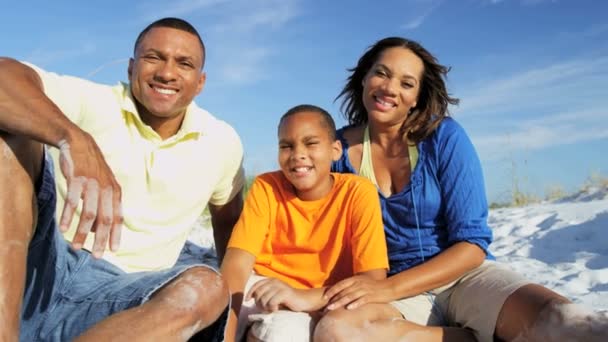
[
  {"x": 523, "y": 2},
  {"x": 561, "y": 83},
  {"x": 551, "y": 130},
  {"x": 44, "y": 56},
  {"x": 257, "y": 15},
  {"x": 244, "y": 67},
  {"x": 235, "y": 31},
  {"x": 424, "y": 8},
  {"x": 152, "y": 10},
  {"x": 558, "y": 104}
]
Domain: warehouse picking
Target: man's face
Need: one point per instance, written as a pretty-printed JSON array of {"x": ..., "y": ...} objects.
[{"x": 165, "y": 75}]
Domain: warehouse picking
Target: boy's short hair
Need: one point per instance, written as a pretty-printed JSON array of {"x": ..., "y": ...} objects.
[{"x": 327, "y": 120}]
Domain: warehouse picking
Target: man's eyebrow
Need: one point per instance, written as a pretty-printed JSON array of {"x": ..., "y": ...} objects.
[{"x": 185, "y": 58}]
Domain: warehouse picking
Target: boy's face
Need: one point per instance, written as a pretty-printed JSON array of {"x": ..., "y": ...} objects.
[{"x": 306, "y": 152}]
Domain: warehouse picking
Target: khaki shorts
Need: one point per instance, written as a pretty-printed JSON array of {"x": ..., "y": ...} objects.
[
  {"x": 278, "y": 326},
  {"x": 473, "y": 301}
]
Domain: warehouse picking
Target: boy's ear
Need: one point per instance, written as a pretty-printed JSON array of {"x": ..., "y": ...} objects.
[{"x": 336, "y": 147}]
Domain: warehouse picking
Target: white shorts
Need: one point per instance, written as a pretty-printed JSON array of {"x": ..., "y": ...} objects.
[{"x": 278, "y": 326}]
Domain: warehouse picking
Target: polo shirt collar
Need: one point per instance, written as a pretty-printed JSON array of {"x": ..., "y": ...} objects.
[{"x": 193, "y": 125}]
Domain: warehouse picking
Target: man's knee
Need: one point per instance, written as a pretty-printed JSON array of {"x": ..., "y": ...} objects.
[
  {"x": 199, "y": 293},
  {"x": 21, "y": 163},
  {"x": 18, "y": 154}
]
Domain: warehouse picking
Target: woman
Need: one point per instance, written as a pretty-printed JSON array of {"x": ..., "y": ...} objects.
[{"x": 432, "y": 193}]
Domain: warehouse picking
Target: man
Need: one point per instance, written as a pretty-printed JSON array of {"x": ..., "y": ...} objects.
[{"x": 140, "y": 162}]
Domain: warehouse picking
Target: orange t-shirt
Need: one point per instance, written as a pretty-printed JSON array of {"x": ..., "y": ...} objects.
[{"x": 310, "y": 244}]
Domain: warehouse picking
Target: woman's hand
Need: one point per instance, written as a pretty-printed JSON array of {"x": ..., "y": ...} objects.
[{"x": 355, "y": 291}]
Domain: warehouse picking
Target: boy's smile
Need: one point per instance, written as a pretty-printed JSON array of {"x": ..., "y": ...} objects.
[{"x": 306, "y": 152}]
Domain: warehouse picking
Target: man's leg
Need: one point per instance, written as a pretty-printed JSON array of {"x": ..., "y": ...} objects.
[
  {"x": 20, "y": 164},
  {"x": 186, "y": 305}
]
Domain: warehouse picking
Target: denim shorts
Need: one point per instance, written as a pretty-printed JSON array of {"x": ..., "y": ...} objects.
[{"x": 68, "y": 291}]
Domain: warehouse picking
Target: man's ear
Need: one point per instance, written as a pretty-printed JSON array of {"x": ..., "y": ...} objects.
[
  {"x": 201, "y": 82},
  {"x": 130, "y": 68}
]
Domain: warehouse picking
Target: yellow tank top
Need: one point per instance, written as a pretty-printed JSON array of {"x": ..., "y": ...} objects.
[{"x": 367, "y": 168}]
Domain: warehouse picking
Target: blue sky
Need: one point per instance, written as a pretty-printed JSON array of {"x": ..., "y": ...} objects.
[{"x": 532, "y": 75}]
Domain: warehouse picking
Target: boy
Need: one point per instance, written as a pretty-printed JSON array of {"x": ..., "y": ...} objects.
[{"x": 302, "y": 229}]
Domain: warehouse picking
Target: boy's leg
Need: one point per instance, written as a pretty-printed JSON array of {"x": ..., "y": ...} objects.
[
  {"x": 282, "y": 325},
  {"x": 20, "y": 165}
]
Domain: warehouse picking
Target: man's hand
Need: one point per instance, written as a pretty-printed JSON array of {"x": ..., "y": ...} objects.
[
  {"x": 89, "y": 178},
  {"x": 356, "y": 291},
  {"x": 272, "y": 294}
]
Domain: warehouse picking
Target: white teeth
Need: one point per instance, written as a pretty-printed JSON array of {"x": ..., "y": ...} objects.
[
  {"x": 302, "y": 169},
  {"x": 384, "y": 103},
  {"x": 165, "y": 91}
]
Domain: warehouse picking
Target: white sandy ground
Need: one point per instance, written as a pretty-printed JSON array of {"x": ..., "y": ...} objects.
[{"x": 562, "y": 244}]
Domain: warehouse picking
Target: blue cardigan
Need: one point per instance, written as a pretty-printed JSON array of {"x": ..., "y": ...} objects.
[{"x": 444, "y": 203}]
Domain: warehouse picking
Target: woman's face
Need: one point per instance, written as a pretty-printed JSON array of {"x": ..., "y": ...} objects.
[{"x": 392, "y": 85}]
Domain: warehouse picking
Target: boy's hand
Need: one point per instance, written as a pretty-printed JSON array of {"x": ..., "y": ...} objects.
[
  {"x": 356, "y": 291},
  {"x": 272, "y": 294}
]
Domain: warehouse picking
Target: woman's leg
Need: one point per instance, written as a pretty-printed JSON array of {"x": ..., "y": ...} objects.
[{"x": 535, "y": 313}]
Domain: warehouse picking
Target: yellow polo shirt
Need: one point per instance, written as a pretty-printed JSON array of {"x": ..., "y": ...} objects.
[{"x": 166, "y": 185}]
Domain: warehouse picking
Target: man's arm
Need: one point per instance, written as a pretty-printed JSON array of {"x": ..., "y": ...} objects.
[
  {"x": 26, "y": 111},
  {"x": 223, "y": 219}
]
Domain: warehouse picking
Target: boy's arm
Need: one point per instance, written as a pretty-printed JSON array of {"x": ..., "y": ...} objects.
[
  {"x": 273, "y": 294},
  {"x": 316, "y": 298},
  {"x": 236, "y": 269},
  {"x": 368, "y": 248}
]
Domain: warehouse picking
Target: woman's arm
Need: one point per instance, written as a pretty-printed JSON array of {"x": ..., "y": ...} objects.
[
  {"x": 442, "y": 269},
  {"x": 460, "y": 182}
]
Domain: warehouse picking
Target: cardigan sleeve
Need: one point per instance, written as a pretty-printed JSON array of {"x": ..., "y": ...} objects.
[{"x": 462, "y": 188}]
